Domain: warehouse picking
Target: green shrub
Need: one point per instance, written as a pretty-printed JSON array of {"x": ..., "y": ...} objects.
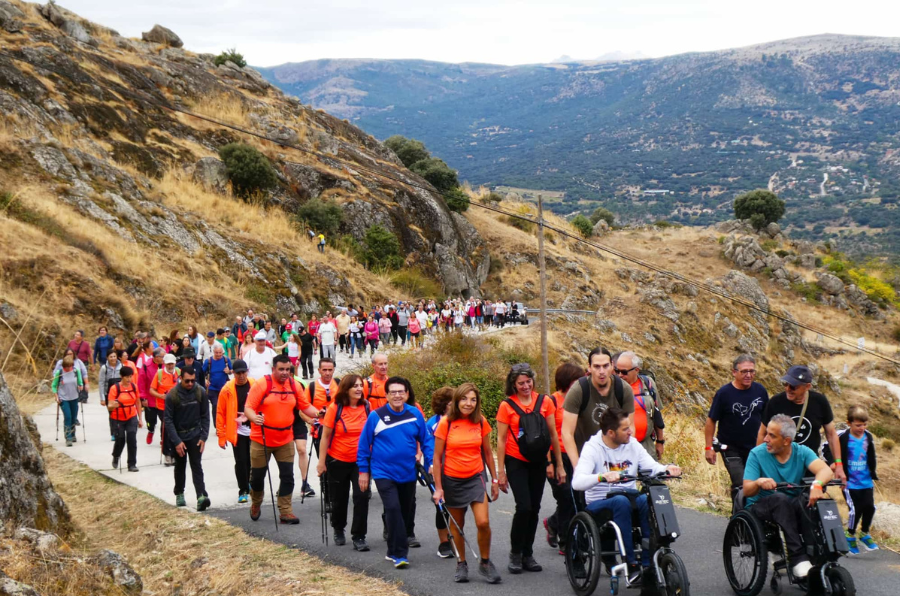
[
  {"x": 522, "y": 224},
  {"x": 409, "y": 151},
  {"x": 249, "y": 170},
  {"x": 381, "y": 249},
  {"x": 760, "y": 206},
  {"x": 812, "y": 292},
  {"x": 877, "y": 290},
  {"x": 231, "y": 55},
  {"x": 721, "y": 239},
  {"x": 321, "y": 216},
  {"x": 583, "y": 225},
  {"x": 259, "y": 294},
  {"x": 896, "y": 333},
  {"x": 491, "y": 197},
  {"x": 664, "y": 223},
  {"x": 783, "y": 253},
  {"x": 415, "y": 284},
  {"x": 437, "y": 173},
  {"x": 603, "y": 213},
  {"x": 769, "y": 245},
  {"x": 457, "y": 200}
]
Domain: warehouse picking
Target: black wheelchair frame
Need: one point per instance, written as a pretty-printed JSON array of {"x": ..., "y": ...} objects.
[
  {"x": 587, "y": 531},
  {"x": 746, "y": 538}
]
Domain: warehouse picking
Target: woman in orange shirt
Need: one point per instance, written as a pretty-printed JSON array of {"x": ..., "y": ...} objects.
[
  {"x": 524, "y": 475},
  {"x": 462, "y": 446},
  {"x": 340, "y": 439}
]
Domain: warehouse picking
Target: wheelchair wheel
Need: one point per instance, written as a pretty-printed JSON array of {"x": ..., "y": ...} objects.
[
  {"x": 675, "y": 574},
  {"x": 841, "y": 581},
  {"x": 583, "y": 554},
  {"x": 745, "y": 556}
]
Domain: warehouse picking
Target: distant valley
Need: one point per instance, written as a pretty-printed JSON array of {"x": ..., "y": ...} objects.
[{"x": 815, "y": 119}]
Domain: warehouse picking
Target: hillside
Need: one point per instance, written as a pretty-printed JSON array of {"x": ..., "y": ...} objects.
[
  {"x": 814, "y": 119},
  {"x": 115, "y": 207}
]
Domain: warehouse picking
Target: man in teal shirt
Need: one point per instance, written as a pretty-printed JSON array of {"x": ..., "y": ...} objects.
[{"x": 778, "y": 459}]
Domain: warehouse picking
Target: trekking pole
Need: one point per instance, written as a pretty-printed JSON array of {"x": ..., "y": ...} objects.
[
  {"x": 269, "y": 475},
  {"x": 427, "y": 481},
  {"x": 57, "y": 419},
  {"x": 325, "y": 502},
  {"x": 83, "y": 424},
  {"x": 162, "y": 440},
  {"x": 308, "y": 463}
]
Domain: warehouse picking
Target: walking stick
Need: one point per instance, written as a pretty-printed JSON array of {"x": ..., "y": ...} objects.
[
  {"x": 269, "y": 475},
  {"x": 83, "y": 424},
  {"x": 324, "y": 506},
  {"x": 312, "y": 443},
  {"x": 57, "y": 419},
  {"x": 162, "y": 439}
]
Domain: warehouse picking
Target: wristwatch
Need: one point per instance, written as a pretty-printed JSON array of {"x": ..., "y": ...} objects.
[
  {"x": 495, "y": 481},
  {"x": 658, "y": 442}
]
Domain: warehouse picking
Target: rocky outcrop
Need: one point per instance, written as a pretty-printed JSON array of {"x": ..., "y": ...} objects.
[
  {"x": 211, "y": 173},
  {"x": 67, "y": 24},
  {"x": 162, "y": 35},
  {"x": 10, "y": 17},
  {"x": 123, "y": 576},
  {"x": 10, "y": 587},
  {"x": 27, "y": 497}
]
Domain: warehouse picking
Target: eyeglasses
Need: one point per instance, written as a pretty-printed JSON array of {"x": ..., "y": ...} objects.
[
  {"x": 746, "y": 372},
  {"x": 400, "y": 392},
  {"x": 624, "y": 372}
]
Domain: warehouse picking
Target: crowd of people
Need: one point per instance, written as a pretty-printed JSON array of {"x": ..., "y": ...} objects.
[{"x": 253, "y": 385}]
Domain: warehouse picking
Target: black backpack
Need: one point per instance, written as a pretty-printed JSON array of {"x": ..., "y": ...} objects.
[
  {"x": 534, "y": 440},
  {"x": 585, "y": 383}
]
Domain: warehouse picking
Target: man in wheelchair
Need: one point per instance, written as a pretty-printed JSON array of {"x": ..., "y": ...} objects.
[
  {"x": 779, "y": 460},
  {"x": 607, "y": 456}
]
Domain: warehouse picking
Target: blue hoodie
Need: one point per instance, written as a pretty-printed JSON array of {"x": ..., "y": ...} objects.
[{"x": 388, "y": 444}]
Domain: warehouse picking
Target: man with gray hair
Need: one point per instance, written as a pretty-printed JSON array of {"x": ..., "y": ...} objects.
[
  {"x": 780, "y": 460},
  {"x": 737, "y": 408},
  {"x": 648, "y": 420}
]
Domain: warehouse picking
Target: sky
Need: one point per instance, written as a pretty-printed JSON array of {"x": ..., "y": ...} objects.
[{"x": 272, "y": 32}]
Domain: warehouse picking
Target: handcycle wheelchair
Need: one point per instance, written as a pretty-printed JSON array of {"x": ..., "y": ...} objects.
[
  {"x": 585, "y": 554},
  {"x": 748, "y": 542}
]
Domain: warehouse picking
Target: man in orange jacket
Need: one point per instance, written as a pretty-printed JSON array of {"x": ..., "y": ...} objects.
[
  {"x": 273, "y": 408},
  {"x": 233, "y": 426}
]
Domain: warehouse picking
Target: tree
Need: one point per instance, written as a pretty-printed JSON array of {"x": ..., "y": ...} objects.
[
  {"x": 230, "y": 55},
  {"x": 381, "y": 249},
  {"x": 760, "y": 206},
  {"x": 437, "y": 172},
  {"x": 603, "y": 213},
  {"x": 409, "y": 151},
  {"x": 321, "y": 216},
  {"x": 583, "y": 225},
  {"x": 457, "y": 200},
  {"x": 249, "y": 170}
]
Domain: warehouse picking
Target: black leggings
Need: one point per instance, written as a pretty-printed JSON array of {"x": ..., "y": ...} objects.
[
  {"x": 242, "y": 464},
  {"x": 306, "y": 364},
  {"x": 342, "y": 477},
  {"x": 861, "y": 502},
  {"x": 527, "y": 483},
  {"x": 285, "y": 475},
  {"x": 565, "y": 503},
  {"x": 151, "y": 415}
]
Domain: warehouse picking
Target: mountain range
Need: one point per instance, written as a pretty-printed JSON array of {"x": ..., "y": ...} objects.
[{"x": 814, "y": 119}]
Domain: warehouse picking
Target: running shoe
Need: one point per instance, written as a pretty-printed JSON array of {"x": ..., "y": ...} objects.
[
  {"x": 360, "y": 544},
  {"x": 868, "y": 542},
  {"x": 852, "y": 544},
  {"x": 445, "y": 551},
  {"x": 179, "y": 500},
  {"x": 552, "y": 537},
  {"x": 489, "y": 572},
  {"x": 462, "y": 573},
  {"x": 308, "y": 491},
  {"x": 203, "y": 503},
  {"x": 150, "y": 438},
  {"x": 412, "y": 541},
  {"x": 242, "y": 498}
]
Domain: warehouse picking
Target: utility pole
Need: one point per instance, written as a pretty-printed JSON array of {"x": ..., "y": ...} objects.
[{"x": 545, "y": 357}]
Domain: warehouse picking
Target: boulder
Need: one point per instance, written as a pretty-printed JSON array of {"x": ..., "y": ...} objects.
[
  {"x": 747, "y": 288},
  {"x": 888, "y": 518},
  {"x": 126, "y": 578},
  {"x": 27, "y": 498},
  {"x": 211, "y": 173},
  {"x": 830, "y": 284},
  {"x": 43, "y": 542},
  {"x": 9, "y": 17},
  {"x": 600, "y": 228},
  {"x": 808, "y": 261},
  {"x": 10, "y": 587},
  {"x": 67, "y": 25},
  {"x": 772, "y": 230},
  {"x": 161, "y": 35}
]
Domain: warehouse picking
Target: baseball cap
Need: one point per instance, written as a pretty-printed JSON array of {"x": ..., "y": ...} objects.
[
  {"x": 260, "y": 336},
  {"x": 210, "y": 334},
  {"x": 239, "y": 366},
  {"x": 289, "y": 327},
  {"x": 797, "y": 375},
  {"x": 170, "y": 359}
]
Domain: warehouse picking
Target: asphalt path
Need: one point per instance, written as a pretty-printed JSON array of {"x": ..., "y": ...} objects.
[{"x": 700, "y": 546}]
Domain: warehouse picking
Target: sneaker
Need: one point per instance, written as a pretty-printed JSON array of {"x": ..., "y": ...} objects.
[
  {"x": 462, "y": 573},
  {"x": 801, "y": 569},
  {"x": 203, "y": 503},
  {"x": 132, "y": 468},
  {"x": 489, "y": 572},
  {"x": 308, "y": 491},
  {"x": 150, "y": 438},
  {"x": 339, "y": 539},
  {"x": 529, "y": 564},
  {"x": 289, "y": 519},
  {"x": 68, "y": 442},
  {"x": 77, "y": 423},
  {"x": 255, "y": 511},
  {"x": 868, "y": 542},
  {"x": 242, "y": 498},
  {"x": 115, "y": 462},
  {"x": 170, "y": 461},
  {"x": 851, "y": 543},
  {"x": 552, "y": 537},
  {"x": 413, "y": 541},
  {"x": 445, "y": 551},
  {"x": 515, "y": 563},
  {"x": 112, "y": 438},
  {"x": 179, "y": 501},
  {"x": 360, "y": 544},
  {"x": 400, "y": 563}
]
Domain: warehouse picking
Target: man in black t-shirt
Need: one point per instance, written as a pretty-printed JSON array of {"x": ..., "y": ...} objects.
[
  {"x": 737, "y": 408},
  {"x": 797, "y": 400}
]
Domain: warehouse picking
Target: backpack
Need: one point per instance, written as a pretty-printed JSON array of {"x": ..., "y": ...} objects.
[
  {"x": 311, "y": 391},
  {"x": 649, "y": 382},
  {"x": 585, "y": 383},
  {"x": 534, "y": 434}
]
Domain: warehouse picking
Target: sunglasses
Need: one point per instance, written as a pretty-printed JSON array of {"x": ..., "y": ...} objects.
[
  {"x": 624, "y": 372},
  {"x": 187, "y": 381}
]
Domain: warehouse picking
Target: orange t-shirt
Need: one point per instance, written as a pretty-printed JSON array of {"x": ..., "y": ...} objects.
[
  {"x": 507, "y": 415},
  {"x": 345, "y": 434},
  {"x": 558, "y": 399},
  {"x": 640, "y": 412},
  {"x": 462, "y": 446},
  {"x": 375, "y": 392},
  {"x": 278, "y": 408},
  {"x": 162, "y": 383},
  {"x": 321, "y": 398},
  {"x": 127, "y": 397}
]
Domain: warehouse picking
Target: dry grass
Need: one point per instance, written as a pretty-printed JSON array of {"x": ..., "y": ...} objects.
[
  {"x": 224, "y": 107},
  {"x": 172, "y": 548}
]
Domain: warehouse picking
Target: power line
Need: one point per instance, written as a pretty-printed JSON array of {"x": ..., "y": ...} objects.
[{"x": 615, "y": 252}]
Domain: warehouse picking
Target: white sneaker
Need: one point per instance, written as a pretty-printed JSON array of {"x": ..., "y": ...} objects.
[{"x": 801, "y": 569}]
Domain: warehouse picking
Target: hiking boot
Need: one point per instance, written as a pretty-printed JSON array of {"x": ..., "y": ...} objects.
[
  {"x": 515, "y": 563},
  {"x": 179, "y": 500},
  {"x": 115, "y": 462},
  {"x": 289, "y": 519},
  {"x": 242, "y": 498},
  {"x": 552, "y": 537},
  {"x": 851, "y": 542},
  {"x": 489, "y": 572},
  {"x": 132, "y": 468},
  {"x": 203, "y": 503},
  {"x": 360, "y": 544},
  {"x": 412, "y": 541},
  {"x": 308, "y": 491},
  {"x": 255, "y": 511},
  {"x": 529, "y": 564},
  {"x": 150, "y": 438},
  {"x": 445, "y": 551},
  {"x": 868, "y": 542},
  {"x": 462, "y": 573},
  {"x": 339, "y": 538},
  {"x": 68, "y": 442}
]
